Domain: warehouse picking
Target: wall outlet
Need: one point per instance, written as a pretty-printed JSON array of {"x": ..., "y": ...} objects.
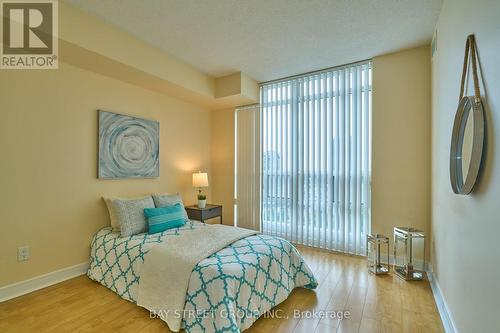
[{"x": 23, "y": 253}]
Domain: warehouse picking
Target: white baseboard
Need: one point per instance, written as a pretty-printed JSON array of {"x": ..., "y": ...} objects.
[
  {"x": 42, "y": 281},
  {"x": 444, "y": 310}
]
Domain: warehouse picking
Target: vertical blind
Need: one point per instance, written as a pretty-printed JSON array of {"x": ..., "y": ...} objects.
[
  {"x": 316, "y": 158},
  {"x": 246, "y": 168}
]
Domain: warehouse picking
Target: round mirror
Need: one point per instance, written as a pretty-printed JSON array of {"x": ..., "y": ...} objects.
[
  {"x": 468, "y": 138},
  {"x": 466, "y": 145}
]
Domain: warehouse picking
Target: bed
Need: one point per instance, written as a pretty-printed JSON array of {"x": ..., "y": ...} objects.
[{"x": 227, "y": 291}]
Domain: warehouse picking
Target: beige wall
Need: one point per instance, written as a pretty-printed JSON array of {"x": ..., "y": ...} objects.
[
  {"x": 222, "y": 161},
  {"x": 401, "y": 141},
  {"x": 50, "y": 194},
  {"x": 465, "y": 229}
]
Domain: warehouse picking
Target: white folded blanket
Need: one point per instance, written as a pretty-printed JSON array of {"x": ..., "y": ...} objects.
[{"x": 167, "y": 268}]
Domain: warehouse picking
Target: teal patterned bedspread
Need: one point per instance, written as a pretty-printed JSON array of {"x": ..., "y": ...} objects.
[{"x": 227, "y": 291}]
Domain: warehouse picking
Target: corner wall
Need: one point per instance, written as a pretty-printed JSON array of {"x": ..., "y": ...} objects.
[
  {"x": 401, "y": 141},
  {"x": 465, "y": 229},
  {"x": 50, "y": 197}
]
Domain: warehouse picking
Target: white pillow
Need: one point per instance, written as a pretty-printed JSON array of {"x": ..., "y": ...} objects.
[
  {"x": 130, "y": 214},
  {"x": 162, "y": 200}
]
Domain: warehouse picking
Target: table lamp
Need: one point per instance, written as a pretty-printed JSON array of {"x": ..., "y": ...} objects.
[{"x": 200, "y": 180}]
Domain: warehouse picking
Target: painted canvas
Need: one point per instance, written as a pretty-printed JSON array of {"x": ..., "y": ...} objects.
[{"x": 129, "y": 147}]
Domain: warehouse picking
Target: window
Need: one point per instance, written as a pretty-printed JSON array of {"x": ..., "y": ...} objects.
[{"x": 316, "y": 158}]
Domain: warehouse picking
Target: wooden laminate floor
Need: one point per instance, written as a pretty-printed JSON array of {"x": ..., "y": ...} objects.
[{"x": 376, "y": 304}]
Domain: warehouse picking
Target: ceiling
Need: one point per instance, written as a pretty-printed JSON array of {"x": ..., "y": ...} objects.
[{"x": 270, "y": 39}]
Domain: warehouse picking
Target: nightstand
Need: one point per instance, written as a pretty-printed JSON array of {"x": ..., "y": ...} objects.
[{"x": 203, "y": 214}]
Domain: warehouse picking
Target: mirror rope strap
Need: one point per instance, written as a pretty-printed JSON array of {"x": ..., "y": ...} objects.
[{"x": 470, "y": 48}]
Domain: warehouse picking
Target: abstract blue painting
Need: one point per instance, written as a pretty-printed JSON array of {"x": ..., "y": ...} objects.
[{"x": 129, "y": 147}]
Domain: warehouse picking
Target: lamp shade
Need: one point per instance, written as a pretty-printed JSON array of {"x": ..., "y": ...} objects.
[{"x": 200, "y": 179}]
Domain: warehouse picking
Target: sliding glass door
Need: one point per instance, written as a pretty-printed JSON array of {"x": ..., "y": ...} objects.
[{"x": 315, "y": 144}]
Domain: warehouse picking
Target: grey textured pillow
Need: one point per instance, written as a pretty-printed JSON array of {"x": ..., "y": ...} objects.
[
  {"x": 130, "y": 215},
  {"x": 162, "y": 200}
]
